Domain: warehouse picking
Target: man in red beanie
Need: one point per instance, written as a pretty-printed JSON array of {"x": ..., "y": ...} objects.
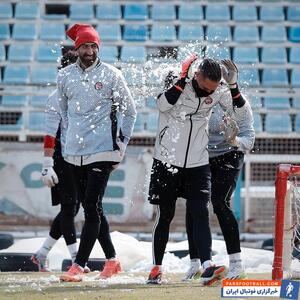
[{"x": 99, "y": 111}]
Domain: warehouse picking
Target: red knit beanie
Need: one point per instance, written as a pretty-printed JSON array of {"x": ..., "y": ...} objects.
[{"x": 83, "y": 33}]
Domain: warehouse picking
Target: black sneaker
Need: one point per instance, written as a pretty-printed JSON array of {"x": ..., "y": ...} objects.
[
  {"x": 154, "y": 276},
  {"x": 212, "y": 274}
]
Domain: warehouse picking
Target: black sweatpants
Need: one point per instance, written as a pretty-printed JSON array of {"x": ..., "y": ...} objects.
[
  {"x": 225, "y": 170},
  {"x": 166, "y": 185},
  {"x": 91, "y": 181}
]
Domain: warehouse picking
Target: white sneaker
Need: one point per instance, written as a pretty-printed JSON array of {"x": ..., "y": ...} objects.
[
  {"x": 194, "y": 271},
  {"x": 236, "y": 270}
]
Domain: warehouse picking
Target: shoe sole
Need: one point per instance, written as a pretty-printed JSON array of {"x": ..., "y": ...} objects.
[
  {"x": 153, "y": 282},
  {"x": 239, "y": 277},
  {"x": 194, "y": 277},
  {"x": 218, "y": 275},
  {"x": 67, "y": 278}
]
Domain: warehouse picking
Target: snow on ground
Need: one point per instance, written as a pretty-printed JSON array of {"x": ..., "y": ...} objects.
[{"x": 136, "y": 256}]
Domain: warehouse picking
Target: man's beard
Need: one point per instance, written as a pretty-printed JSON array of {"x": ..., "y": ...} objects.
[{"x": 88, "y": 60}]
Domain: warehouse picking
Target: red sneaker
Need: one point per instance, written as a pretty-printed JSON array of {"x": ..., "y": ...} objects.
[
  {"x": 111, "y": 267},
  {"x": 74, "y": 274},
  {"x": 155, "y": 276},
  {"x": 41, "y": 262}
]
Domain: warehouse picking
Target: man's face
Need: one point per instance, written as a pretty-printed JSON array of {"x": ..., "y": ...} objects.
[
  {"x": 206, "y": 84},
  {"x": 88, "y": 53}
]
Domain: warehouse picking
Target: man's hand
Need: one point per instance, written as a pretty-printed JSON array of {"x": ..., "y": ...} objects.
[
  {"x": 229, "y": 72},
  {"x": 186, "y": 70},
  {"x": 231, "y": 130},
  {"x": 49, "y": 176}
]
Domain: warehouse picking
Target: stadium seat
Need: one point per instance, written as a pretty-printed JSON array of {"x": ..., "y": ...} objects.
[
  {"x": 133, "y": 76},
  {"x": 38, "y": 101},
  {"x": 136, "y": 11},
  {"x": 139, "y": 125},
  {"x": 257, "y": 122},
  {"x": 36, "y": 121},
  {"x": 13, "y": 100},
  {"x": 19, "y": 52},
  {"x": 294, "y": 34},
  {"x": 109, "y": 54},
  {"x": 296, "y": 103},
  {"x": 255, "y": 102},
  {"x": 245, "y": 33},
  {"x": 109, "y": 32},
  {"x": 6, "y": 11},
  {"x": 16, "y": 75},
  {"x": 277, "y": 103},
  {"x": 152, "y": 121},
  {"x": 48, "y": 52},
  {"x": 217, "y": 12},
  {"x": 295, "y": 78},
  {"x": 294, "y": 55},
  {"x": 151, "y": 102},
  {"x": 135, "y": 33},
  {"x": 13, "y": 127},
  {"x": 293, "y": 13},
  {"x": 23, "y": 31},
  {"x": 217, "y": 52},
  {"x": 2, "y": 53},
  {"x": 108, "y": 11},
  {"x": 52, "y": 31},
  {"x": 81, "y": 11},
  {"x": 273, "y": 34},
  {"x": 190, "y": 12},
  {"x": 245, "y": 55},
  {"x": 274, "y": 78},
  {"x": 297, "y": 123},
  {"x": 136, "y": 54},
  {"x": 244, "y": 13},
  {"x": 273, "y": 55},
  {"x": 271, "y": 13},
  {"x": 190, "y": 33},
  {"x": 163, "y": 12},
  {"x": 249, "y": 76},
  {"x": 4, "y": 32},
  {"x": 43, "y": 75},
  {"x": 218, "y": 33},
  {"x": 163, "y": 32},
  {"x": 278, "y": 123},
  {"x": 27, "y": 11}
]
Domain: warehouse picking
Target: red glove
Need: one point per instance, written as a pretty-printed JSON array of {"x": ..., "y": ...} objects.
[{"x": 186, "y": 66}]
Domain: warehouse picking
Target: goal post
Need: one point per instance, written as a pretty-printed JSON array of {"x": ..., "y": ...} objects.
[{"x": 285, "y": 220}]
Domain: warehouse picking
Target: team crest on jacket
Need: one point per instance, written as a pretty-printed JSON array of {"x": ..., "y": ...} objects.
[
  {"x": 98, "y": 85},
  {"x": 208, "y": 100}
]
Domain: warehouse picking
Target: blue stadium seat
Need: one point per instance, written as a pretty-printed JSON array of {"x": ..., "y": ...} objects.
[
  {"x": 48, "y": 52},
  {"x": 6, "y": 11},
  {"x": 135, "y": 33},
  {"x": 295, "y": 77},
  {"x": 13, "y": 127},
  {"x": 190, "y": 33},
  {"x": 38, "y": 100},
  {"x": 217, "y": 52},
  {"x": 296, "y": 103},
  {"x": 271, "y": 13},
  {"x": 2, "y": 53},
  {"x": 19, "y": 52},
  {"x": 257, "y": 122},
  {"x": 249, "y": 76},
  {"x": 278, "y": 123},
  {"x": 133, "y": 76},
  {"x": 163, "y": 12},
  {"x": 52, "y": 31},
  {"x": 297, "y": 123},
  {"x": 36, "y": 121},
  {"x": 81, "y": 11},
  {"x": 218, "y": 33},
  {"x": 27, "y": 11},
  {"x": 109, "y": 32},
  {"x": 294, "y": 34},
  {"x": 245, "y": 55},
  {"x": 244, "y": 13},
  {"x": 274, "y": 78},
  {"x": 277, "y": 102},
  {"x": 294, "y": 55},
  {"x": 13, "y": 100},
  {"x": 293, "y": 13},
  {"x": 152, "y": 122},
  {"x": 273, "y": 55},
  {"x": 217, "y": 12},
  {"x": 136, "y": 11},
  {"x": 245, "y": 33},
  {"x": 273, "y": 34},
  {"x": 163, "y": 32},
  {"x": 136, "y": 54},
  {"x": 151, "y": 102},
  {"x": 43, "y": 75},
  {"x": 255, "y": 102},
  {"x": 16, "y": 75},
  {"x": 108, "y": 11},
  {"x": 24, "y": 31},
  {"x": 190, "y": 12},
  {"x": 4, "y": 32},
  {"x": 109, "y": 54},
  {"x": 139, "y": 125}
]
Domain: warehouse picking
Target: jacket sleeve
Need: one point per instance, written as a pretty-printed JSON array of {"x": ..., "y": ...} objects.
[
  {"x": 122, "y": 96},
  {"x": 52, "y": 114}
]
